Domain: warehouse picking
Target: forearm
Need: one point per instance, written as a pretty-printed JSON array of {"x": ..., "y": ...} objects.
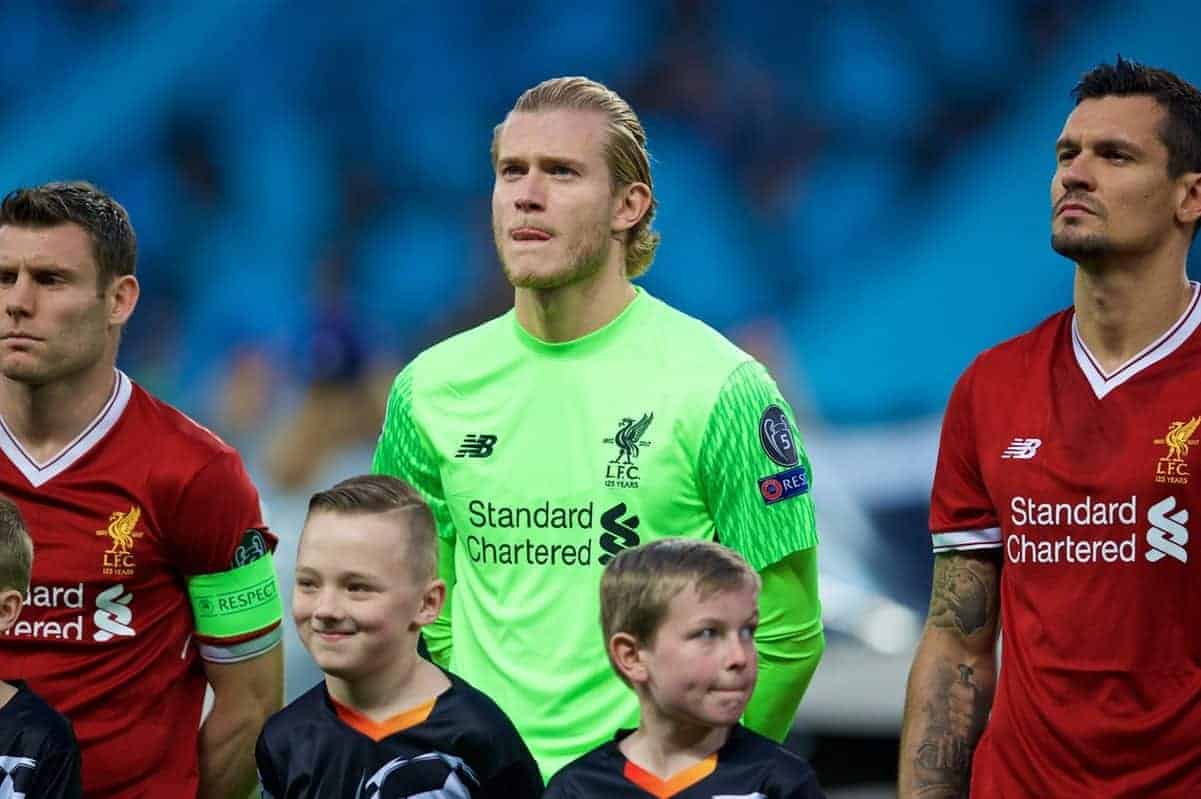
[
  {"x": 789, "y": 640},
  {"x": 953, "y": 678},
  {"x": 245, "y": 694},
  {"x": 947, "y": 703},
  {"x": 784, "y": 675},
  {"x": 227, "y": 749}
]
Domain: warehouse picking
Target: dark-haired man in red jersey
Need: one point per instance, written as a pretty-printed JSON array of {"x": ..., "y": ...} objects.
[
  {"x": 1068, "y": 480},
  {"x": 154, "y": 572}
]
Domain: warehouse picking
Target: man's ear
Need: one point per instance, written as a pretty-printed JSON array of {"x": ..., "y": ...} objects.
[
  {"x": 631, "y": 204},
  {"x": 1189, "y": 208},
  {"x": 122, "y": 296}
]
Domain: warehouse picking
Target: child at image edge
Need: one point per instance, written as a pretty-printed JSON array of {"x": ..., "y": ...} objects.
[
  {"x": 679, "y": 621},
  {"x": 39, "y": 757},
  {"x": 385, "y": 722}
]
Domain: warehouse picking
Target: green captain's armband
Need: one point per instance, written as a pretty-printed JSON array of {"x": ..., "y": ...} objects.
[{"x": 236, "y": 603}]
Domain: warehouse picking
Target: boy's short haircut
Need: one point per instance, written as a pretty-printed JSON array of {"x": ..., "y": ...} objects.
[
  {"x": 638, "y": 585},
  {"x": 372, "y": 494},
  {"x": 16, "y": 549}
]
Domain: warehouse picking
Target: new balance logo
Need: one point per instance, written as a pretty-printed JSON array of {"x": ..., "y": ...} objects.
[
  {"x": 1167, "y": 535},
  {"x": 1022, "y": 448},
  {"x": 476, "y": 445}
]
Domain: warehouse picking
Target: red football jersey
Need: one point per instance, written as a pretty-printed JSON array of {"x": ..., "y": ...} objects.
[
  {"x": 1089, "y": 484},
  {"x": 142, "y": 499}
]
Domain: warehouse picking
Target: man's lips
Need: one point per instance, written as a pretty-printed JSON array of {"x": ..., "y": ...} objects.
[
  {"x": 1073, "y": 206},
  {"x": 529, "y": 234},
  {"x": 19, "y": 338}
]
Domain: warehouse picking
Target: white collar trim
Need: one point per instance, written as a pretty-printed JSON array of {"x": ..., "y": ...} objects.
[
  {"x": 1153, "y": 353},
  {"x": 39, "y": 473}
]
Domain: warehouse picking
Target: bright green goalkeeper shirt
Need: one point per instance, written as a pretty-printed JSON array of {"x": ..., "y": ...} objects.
[{"x": 541, "y": 461}]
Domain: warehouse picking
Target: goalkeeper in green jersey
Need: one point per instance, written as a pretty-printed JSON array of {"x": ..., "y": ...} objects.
[{"x": 589, "y": 419}]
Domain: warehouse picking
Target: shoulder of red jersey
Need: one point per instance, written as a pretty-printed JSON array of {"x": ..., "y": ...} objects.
[
  {"x": 160, "y": 419},
  {"x": 1018, "y": 351}
]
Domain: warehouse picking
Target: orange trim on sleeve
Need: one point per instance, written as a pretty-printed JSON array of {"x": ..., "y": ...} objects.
[
  {"x": 665, "y": 789},
  {"x": 379, "y": 730}
]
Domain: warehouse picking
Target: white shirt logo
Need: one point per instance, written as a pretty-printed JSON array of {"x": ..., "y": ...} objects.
[
  {"x": 1022, "y": 448},
  {"x": 10, "y": 767},
  {"x": 452, "y": 788},
  {"x": 1167, "y": 535},
  {"x": 112, "y": 614}
]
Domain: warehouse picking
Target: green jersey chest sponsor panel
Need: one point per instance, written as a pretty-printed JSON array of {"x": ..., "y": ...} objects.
[{"x": 572, "y": 482}]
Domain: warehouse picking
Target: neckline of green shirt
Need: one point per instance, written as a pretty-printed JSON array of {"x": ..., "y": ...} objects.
[{"x": 587, "y": 343}]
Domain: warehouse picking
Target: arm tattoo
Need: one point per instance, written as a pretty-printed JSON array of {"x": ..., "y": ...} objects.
[
  {"x": 965, "y": 594},
  {"x": 955, "y": 699},
  {"x": 957, "y": 712}
]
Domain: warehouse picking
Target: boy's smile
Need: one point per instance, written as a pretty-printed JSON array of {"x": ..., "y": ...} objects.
[{"x": 354, "y": 601}]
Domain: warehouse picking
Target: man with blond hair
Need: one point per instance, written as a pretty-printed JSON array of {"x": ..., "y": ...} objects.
[{"x": 592, "y": 418}]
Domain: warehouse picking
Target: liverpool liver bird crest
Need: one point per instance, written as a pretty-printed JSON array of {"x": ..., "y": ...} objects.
[
  {"x": 629, "y": 435},
  {"x": 1178, "y": 437},
  {"x": 121, "y": 528}
]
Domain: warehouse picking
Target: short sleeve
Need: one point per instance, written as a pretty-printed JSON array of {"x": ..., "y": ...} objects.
[
  {"x": 508, "y": 769},
  {"x": 216, "y": 511},
  {"x": 520, "y": 779},
  {"x": 270, "y": 786},
  {"x": 962, "y": 515},
  {"x": 804, "y": 786},
  {"x": 217, "y": 528},
  {"x": 753, "y": 470},
  {"x": 790, "y": 777},
  {"x": 560, "y": 788},
  {"x": 58, "y": 775}
]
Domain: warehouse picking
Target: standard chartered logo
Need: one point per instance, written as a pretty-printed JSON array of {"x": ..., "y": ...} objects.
[
  {"x": 1064, "y": 538},
  {"x": 494, "y": 544},
  {"x": 619, "y": 533},
  {"x": 113, "y": 615},
  {"x": 60, "y": 612},
  {"x": 1167, "y": 535}
]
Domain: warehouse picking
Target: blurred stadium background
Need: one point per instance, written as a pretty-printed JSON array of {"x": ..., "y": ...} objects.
[{"x": 856, "y": 192}]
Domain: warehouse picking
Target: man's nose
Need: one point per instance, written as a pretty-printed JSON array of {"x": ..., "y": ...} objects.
[
  {"x": 531, "y": 194},
  {"x": 19, "y": 297},
  {"x": 1077, "y": 175}
]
